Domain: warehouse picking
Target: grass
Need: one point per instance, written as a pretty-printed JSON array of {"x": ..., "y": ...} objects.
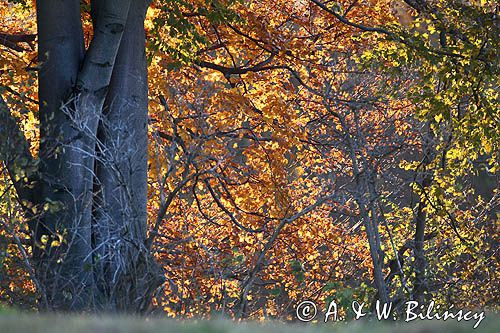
[{"x": 16, "y": 322}]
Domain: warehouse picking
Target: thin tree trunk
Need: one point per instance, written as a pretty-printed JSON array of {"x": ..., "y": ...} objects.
[
  {"x": 376, "y": 253},
  {"x": 419, "y": 266},
  {"x": 365, "y": 196}
]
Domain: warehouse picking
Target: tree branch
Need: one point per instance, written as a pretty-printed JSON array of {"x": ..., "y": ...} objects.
[
  {"x": 14, "y": 151},
  {"x": 349, "y": 23},
  {"x": 12, "y": 40}
]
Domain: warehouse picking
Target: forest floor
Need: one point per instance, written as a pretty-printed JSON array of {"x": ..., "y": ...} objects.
[{"x": 15, "y": 322}]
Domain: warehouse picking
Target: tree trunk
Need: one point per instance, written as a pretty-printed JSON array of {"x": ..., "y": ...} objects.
[
  {"x": 89, "y": 246},
  {"x": 419, "y": 266},
  {"x": 65, "y": 270},
  {"x": 125, "y": 272}
]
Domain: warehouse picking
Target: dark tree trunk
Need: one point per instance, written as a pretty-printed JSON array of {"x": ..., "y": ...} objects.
[
  {"x": 91, "y": 179},
  {"x": 420, "y": 264},
  {"x": 65, "y": 271},
  {"x": 126, "y": 273}
]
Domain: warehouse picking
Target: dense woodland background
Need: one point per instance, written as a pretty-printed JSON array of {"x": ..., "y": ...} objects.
[{"x": 295, "y": 150}]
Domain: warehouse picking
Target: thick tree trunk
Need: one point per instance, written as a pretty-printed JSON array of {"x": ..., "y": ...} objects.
[
  {"x": 64, "y": 270},
  {"x": 125, "y": 273},
  {"x": 89, "y": 246}
]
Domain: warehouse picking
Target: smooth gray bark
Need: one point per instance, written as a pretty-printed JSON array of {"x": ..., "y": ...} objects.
[
  {"x": 64, "y": 270},
  {"x": 127, "y": 274},
  {"x": 94, "y": 211}
]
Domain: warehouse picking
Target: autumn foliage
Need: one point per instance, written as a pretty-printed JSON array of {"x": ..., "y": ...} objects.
[{"x": 296, "y": 148}]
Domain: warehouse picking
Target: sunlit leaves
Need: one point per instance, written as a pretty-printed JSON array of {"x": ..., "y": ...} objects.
[{"x": 259, "y": 108}]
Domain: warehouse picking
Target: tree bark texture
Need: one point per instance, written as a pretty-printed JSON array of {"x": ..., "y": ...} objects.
[{"x": 90, "y": 180}]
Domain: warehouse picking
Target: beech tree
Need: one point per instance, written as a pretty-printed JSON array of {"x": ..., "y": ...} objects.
[
  {"x": 86, "y": 193},
  {"x": 298, "y": 150}
]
